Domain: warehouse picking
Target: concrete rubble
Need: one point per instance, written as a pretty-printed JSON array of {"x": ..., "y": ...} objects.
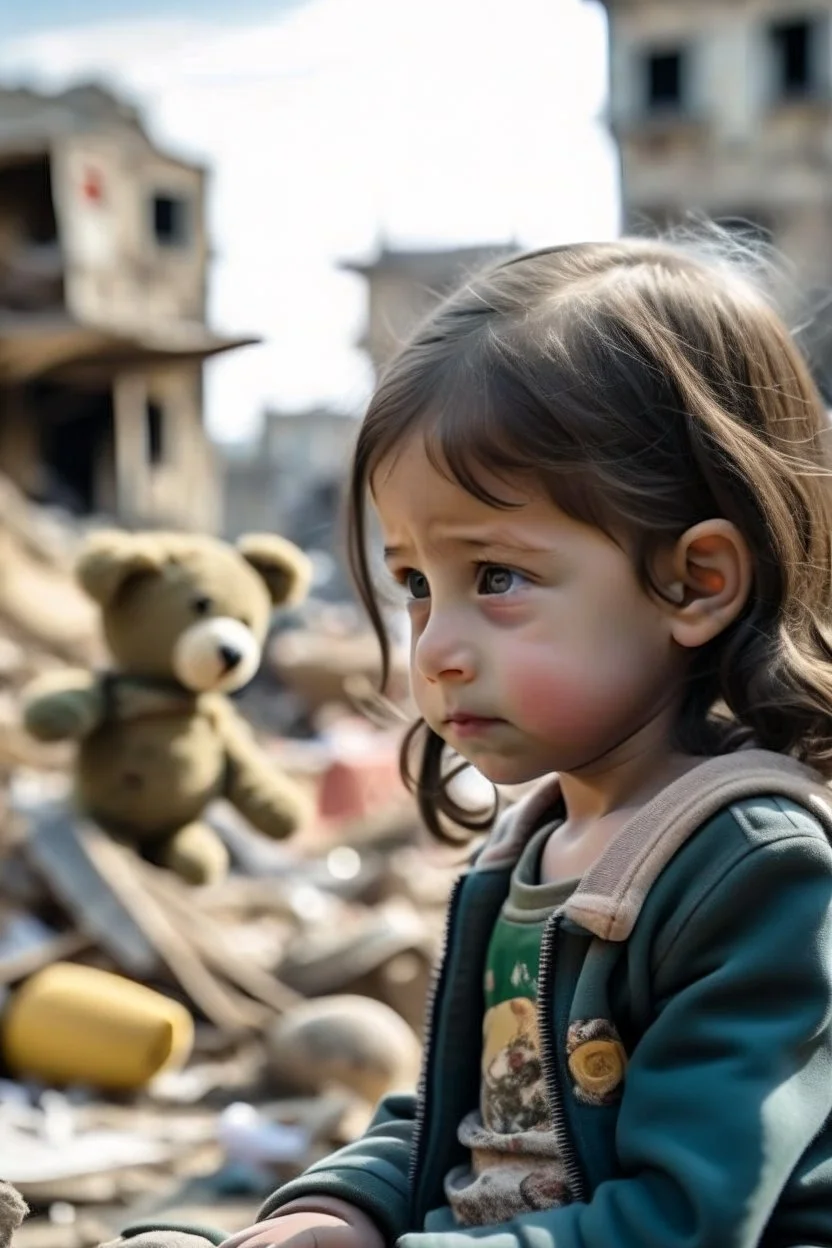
[{"x": 286, "y": 968}]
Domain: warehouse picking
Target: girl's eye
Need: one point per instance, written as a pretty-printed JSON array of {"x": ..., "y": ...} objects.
[
  {"x": 494, "y": 579},
  {"x": 417, "y": 584}
]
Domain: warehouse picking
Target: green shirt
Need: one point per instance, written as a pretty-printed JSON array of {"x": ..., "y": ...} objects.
[{"x": 514, "y": 1162}]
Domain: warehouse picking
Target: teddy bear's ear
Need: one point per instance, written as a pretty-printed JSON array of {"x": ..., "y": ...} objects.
[
  {"x": 283, "y": 566},
  {"x": 109, "y": 559}
]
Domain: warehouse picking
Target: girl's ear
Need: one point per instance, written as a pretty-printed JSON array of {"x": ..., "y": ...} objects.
[{"x": 708, "y": 582}]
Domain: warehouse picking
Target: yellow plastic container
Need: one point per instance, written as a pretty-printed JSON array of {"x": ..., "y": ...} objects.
[{"x": 75, "y": 1024}]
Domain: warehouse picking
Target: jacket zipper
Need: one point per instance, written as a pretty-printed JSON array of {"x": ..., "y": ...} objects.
[
  {"x": 436, "y": 984},
  {"x": 547, "y": 1028}
]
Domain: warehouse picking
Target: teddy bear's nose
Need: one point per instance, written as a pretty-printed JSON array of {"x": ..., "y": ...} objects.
[{"x": 230, "y": 656}]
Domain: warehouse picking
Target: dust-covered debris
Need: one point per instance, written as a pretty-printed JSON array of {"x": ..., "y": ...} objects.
[{"x": 350, "y": 910}]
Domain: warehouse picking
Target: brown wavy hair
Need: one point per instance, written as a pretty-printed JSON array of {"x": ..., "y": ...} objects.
[{"x": 646, "y": 386}]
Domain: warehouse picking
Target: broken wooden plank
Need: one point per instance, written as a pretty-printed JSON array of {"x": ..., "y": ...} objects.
[
  {"x": 211, "y": 942},
  {"x": 61, "y": 853},
  {"x": 227, "y": 1010}
]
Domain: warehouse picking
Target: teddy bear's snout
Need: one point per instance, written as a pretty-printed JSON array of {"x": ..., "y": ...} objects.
[{"x": 220, "y": 654}]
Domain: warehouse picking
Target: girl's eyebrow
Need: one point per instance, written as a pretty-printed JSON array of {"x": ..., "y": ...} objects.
[{"x": 486, "y": 540}]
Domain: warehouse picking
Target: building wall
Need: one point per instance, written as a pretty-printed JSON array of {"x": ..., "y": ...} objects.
[
  {"x": 101, "y": 399},
  {"x": 397, "y": 302},
  {"x": 312, "y": 445},
  {"x": 267, "y": 483},
  {"x": 170, "y": 478},
  {"x": 291, "y": 482},
  {"x": 736, "y": 145},
  {"x": 119, "y": 272},
  {"x": 250, "y": 485}
]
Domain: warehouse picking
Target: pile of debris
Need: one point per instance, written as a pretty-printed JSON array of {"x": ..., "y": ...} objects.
[
  {"x": 302, "y": 977},
  {"x": 305, "y": 975},
  {"x": 46, "y": 621}
]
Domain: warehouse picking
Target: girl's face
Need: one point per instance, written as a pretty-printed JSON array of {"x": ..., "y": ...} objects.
[{"x": 534, "y": 646}]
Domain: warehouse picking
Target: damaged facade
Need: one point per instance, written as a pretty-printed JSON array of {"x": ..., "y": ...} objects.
[
  {"x": 103, "y": 261},
  {"x": 725, "y": 108}
]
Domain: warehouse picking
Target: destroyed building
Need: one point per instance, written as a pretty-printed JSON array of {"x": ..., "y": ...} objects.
[
  {"x": 103, "y": 333},
  {"x": 725, "y": 109}
]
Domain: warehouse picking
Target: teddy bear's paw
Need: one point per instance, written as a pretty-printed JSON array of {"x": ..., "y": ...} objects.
[{"x": 196, "y": 854}]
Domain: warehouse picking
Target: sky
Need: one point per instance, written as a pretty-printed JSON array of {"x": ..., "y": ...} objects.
[{"x": 330, "y": 126}]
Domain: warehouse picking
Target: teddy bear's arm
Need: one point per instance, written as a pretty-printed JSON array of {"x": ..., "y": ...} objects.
[
  {"x": 267, "y": 798},
  {"x": 66, "y": 705}
]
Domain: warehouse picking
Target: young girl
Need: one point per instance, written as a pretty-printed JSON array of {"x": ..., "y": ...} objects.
[{"x": 600, "y": 475}]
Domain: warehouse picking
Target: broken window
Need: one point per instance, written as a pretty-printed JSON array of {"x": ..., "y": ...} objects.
[
  {"x": 76, "y": 437},
  {"x": 26, "y": 199},
  {"x": 171, "y": 220},
  {"x": 795, "y": 47},
  {"x": 155, "y": 424},
  {"x": 665, "y": 80}
]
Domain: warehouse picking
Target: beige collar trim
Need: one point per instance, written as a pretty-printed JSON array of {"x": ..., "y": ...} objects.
[{"x": 611, "y": 894}]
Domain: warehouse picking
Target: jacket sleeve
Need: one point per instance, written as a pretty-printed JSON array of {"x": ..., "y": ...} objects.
[
  {"x": 731, "y": 1084},
  {"x": 372, "y": 1173}
]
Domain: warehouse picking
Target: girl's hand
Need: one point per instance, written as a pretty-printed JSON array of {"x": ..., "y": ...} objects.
[{"x": 309, "y": 1229}]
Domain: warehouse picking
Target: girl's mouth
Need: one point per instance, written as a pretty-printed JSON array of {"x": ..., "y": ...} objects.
[{"x": 471, "y": 725}]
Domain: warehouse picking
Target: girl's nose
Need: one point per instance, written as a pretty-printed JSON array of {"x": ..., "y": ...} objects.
[{"x": 443, "y": 653}]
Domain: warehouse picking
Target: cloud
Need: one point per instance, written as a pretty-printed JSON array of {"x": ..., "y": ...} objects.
[{"x": 432, "y": 121}]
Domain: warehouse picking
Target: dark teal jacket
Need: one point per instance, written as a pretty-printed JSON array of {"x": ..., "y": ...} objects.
[{"x": 700, "y": 946}]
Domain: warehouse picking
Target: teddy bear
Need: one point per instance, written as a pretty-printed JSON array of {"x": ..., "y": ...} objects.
[{"x": 185, "y": 618}]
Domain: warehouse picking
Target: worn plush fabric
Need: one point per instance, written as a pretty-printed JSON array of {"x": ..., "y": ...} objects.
[
  {"x": 157, "y": 739},
  {"x": 685, "y": 1005}
]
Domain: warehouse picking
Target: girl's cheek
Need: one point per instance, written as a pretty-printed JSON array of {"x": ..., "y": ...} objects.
[{"x": 543, "y": 700}]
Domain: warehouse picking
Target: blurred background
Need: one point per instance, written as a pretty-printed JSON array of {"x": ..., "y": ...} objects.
[
  {"x": 303, "y": 175},
  {"x": 217, "y": 222}
]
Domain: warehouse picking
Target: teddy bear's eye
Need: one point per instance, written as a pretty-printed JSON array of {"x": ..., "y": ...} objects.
[{"x": 201, "y": 606}]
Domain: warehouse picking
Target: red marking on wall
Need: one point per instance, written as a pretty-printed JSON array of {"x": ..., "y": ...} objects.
[{"x": 92, "y": 186}]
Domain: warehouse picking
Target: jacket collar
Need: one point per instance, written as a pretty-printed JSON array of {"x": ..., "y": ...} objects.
[{"x": 610, "y": 896}]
